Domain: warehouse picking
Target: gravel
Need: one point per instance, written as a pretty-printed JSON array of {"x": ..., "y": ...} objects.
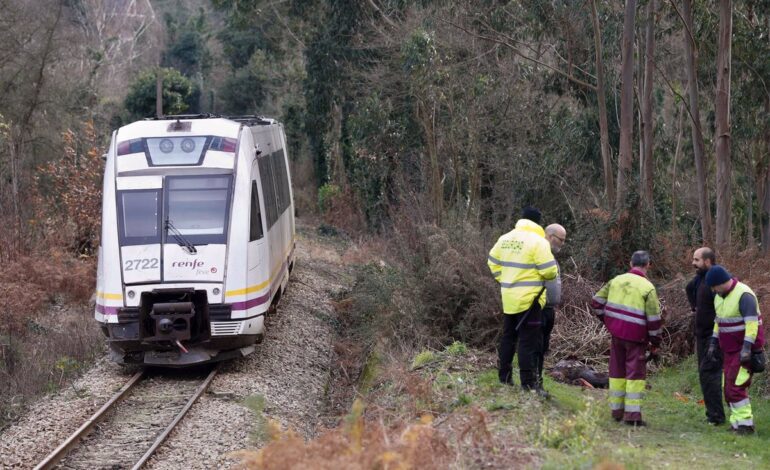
[{"x": 287, "y": 375}]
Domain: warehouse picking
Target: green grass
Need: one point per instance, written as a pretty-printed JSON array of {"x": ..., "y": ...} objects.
[
  {"x": 574, "y": 428},
  {"x": 677, "y": 436}
]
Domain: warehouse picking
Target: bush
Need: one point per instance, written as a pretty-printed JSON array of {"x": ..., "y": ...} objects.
[
  {"x": 357, "y": 445},
  {"x": 178, "y": 93},
  {"x": 457, "y": 349},
  {"x": 68, "y": 193},
  {"x": 424, "y": 357},
  {"x": 326, "y": 196}
]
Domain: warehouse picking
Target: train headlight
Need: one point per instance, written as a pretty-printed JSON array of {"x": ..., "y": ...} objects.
[
  {"x": 166, "y": 146},
  {"x": 215, "y": 291},
  {"x": 188, "y": 145},
  {"x": 131, "y": 294}
]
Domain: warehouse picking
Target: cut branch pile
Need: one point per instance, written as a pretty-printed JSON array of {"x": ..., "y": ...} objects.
[{"x": 579, "y": 335}]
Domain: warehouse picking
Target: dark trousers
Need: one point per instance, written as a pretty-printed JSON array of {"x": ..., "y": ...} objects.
[
  {"x": 529, "y": 339},
  {"x": 549, "y": 316},
  {"x": 710, "y": 375}
]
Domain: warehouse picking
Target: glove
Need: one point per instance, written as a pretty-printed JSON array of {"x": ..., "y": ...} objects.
[
  {"x": 746, "y": 354},
  {"x": 653, "y": 354},
  {"x": 712, "y": 349}
]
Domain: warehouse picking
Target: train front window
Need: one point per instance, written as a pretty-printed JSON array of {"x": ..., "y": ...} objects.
[
  {"x": 198, "y": 207},
  {"x": 139, "y": 216}
]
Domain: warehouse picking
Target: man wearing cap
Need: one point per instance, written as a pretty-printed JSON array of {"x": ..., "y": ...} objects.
[
  {"x": 521, "y": 261},
  {"x": 701, "y": 299},
  {"x": 737, "y": 332},
  {"x": 628, "y": 305}
]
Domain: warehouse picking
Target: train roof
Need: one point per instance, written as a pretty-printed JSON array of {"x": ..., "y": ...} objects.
[{"x": 192, "y": 124}]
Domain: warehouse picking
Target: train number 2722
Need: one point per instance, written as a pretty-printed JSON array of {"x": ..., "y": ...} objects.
[{"x": 141, "y": 264}]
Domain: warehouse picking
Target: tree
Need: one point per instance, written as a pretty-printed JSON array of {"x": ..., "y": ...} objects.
[
  {"x": 604, "y": 133},
  {"x": 177, "y": 93},
  {"x": 626, "y": 105},
  {"x": 722, "y": 117},
  {"x": 691, "y": 63},
  {"x": 646, "y": 157}
]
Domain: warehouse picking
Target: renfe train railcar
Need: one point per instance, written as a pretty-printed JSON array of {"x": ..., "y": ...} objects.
[{"x": 197, "y": 239}]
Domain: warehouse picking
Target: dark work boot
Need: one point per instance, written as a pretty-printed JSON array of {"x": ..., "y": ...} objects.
[
  {"x": 743, "y": 430},
  {"x": 638, "y": 423}
]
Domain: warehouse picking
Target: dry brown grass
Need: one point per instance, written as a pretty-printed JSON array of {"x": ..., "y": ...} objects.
[
  {"x": 360, "y": 444},
  {"x": 47, "y": 275}
]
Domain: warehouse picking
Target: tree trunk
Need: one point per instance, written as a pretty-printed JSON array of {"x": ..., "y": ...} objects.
[
  {"x": 604, "y": 133},
  {"x": 677, "y": 152},
  {"x": 646, "y": 163},
  {"x": 691, "y": 57},
  {"x": 722, "y": 114},
  {"x": 764, "y": 194},
  {"x": 427, "y": 120},
  {"x": 625, "y": 161}
]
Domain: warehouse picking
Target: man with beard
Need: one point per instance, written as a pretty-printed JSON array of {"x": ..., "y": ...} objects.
[
  {"x": 556, "y": 236},
  {"x": 701, "y": 300}
]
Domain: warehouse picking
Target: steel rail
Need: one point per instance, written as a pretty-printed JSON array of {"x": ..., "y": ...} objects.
[
  {"x": 162, "y": 437},
  {"x": 54, "y": 457}
]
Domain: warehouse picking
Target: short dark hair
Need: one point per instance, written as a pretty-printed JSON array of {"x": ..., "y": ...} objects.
[
  {"x": 640, "y": 258},
  {"x": 708, "y": 253},
  {"x": 531, "y": 213}
]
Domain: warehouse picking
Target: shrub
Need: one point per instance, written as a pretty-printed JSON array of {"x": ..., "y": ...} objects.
[
  {"x": 326, "y": 195},
  {"x": 68, "y": 196},
  {"x": 357, "y": 445},
  {"x": 425, "y": 356},
  {"x": 457, "y": 349}
]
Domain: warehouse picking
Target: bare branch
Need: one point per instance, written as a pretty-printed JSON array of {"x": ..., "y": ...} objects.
[{"x": 510, "y": 46}]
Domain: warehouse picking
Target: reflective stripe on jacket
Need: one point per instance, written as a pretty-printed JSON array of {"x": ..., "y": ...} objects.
[
  {"x": 521, "y": 262},
  {"x": 731, "y": 326},
  {"x": 629, "y": 306}
]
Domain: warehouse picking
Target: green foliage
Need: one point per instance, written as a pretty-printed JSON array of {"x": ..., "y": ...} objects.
[
  {"x": 426, "y": 356},
  {"x": 327, "y": 195},
  {"x": 457, "y": 348},
  {"x": 177, "y": 92},
  {"x": 187, "y": 49}
]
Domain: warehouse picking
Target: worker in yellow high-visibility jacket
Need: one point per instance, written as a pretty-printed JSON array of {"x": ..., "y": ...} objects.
[
  {"x": 738, "y": 333},
  {"x": 521, "y": 261}
]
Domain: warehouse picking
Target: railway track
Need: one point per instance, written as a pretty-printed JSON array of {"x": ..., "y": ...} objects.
[{"x": 133, "y": 423}]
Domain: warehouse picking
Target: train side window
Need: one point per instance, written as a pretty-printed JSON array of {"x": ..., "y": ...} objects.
[
  {"x": 255, "y": 230},
  {"x": 268, "y": 191},
  {"x": 285, "y": 192}
]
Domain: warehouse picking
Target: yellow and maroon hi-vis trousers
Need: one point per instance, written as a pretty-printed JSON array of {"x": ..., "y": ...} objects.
[{"x": 628, "y": 371}]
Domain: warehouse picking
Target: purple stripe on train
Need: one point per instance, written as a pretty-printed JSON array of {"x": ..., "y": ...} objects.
[{"x": 105, "y": 310}]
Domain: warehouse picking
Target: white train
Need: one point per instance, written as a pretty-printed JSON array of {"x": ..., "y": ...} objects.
[{"x": 197, "y": 239}]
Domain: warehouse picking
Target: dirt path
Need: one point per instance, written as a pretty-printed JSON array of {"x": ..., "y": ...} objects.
[{"x": 286, "y": 378}]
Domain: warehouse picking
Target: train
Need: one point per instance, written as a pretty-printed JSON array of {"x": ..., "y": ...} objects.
[{"x": 198, "y": 238}]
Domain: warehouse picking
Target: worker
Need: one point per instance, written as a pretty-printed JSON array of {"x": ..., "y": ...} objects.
[
  {"x": 628, "y": 306},
  {"x": 737, "y": 333},
  {"x": 701, "y": 299},
  {"x": 556, "y": 236},
  {"x": 521, "y": 261}
]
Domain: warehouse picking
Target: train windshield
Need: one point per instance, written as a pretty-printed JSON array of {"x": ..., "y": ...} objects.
[
  {"x": 198, "y": 207},
  {"x": 139, "y": 215}
]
